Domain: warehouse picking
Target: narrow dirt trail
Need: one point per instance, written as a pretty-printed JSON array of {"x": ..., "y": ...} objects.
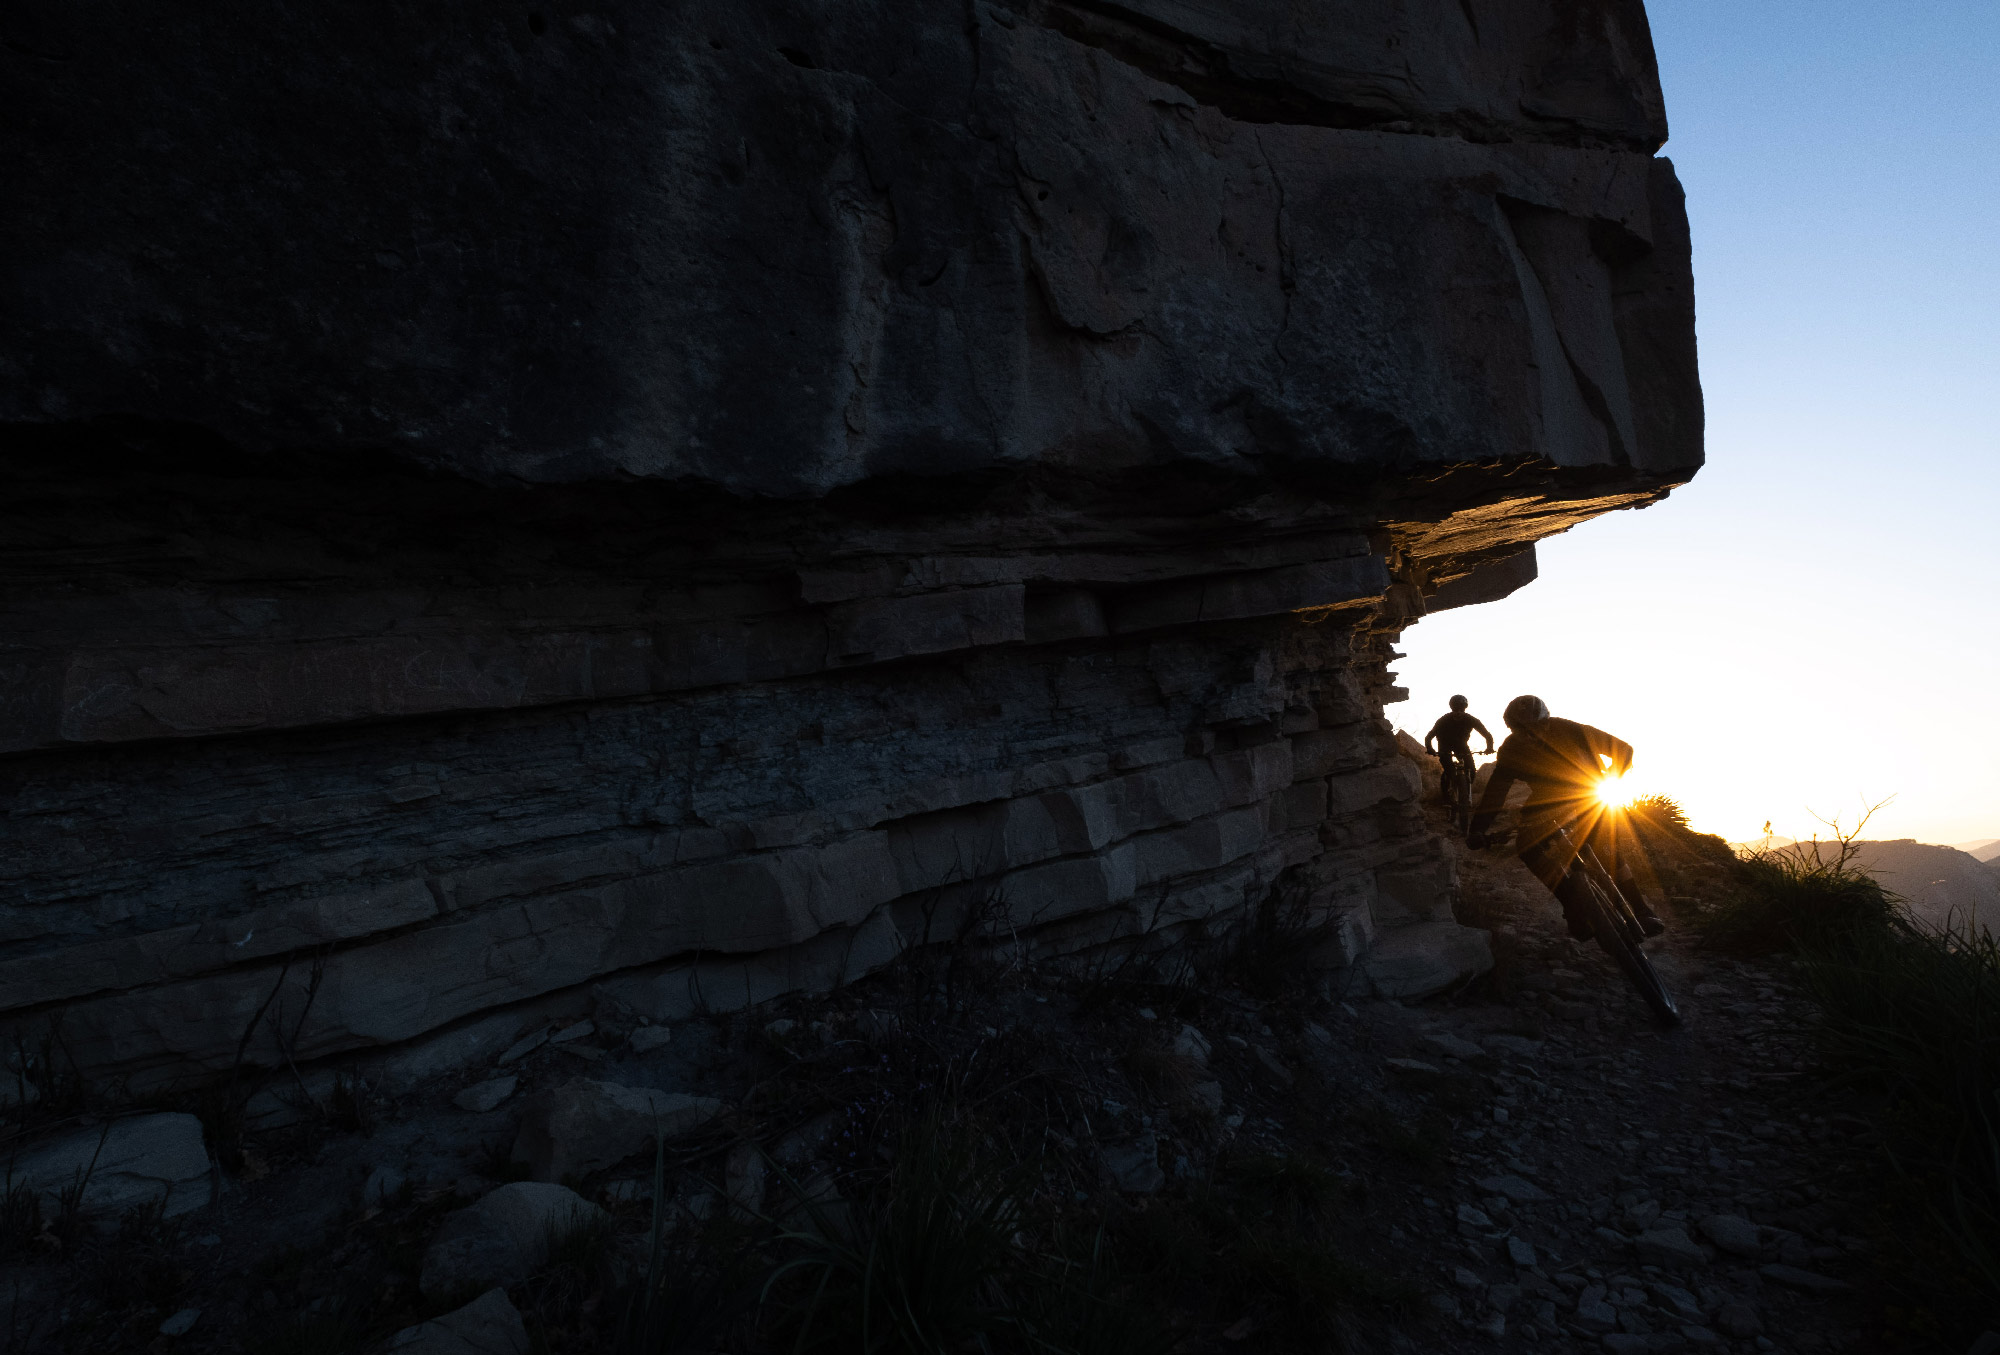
[{"x": 1621, "y": 1187}]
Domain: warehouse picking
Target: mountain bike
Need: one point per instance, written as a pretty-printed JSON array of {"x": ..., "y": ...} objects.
[
  {"x": 1615, "y": 925},
  {"x": 1455, "y": 786}
]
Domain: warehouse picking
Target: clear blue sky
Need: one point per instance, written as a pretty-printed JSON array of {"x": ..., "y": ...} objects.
[{"x": 1813, "y": 621}]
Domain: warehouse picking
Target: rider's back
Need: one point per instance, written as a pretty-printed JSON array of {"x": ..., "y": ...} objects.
[
  {"x": 1454, "y": 730},
  {"x": 1559, "y": 761}
]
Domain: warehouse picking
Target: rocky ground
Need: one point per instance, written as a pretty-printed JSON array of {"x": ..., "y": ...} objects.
[{"x": 1529, "y": 1164}]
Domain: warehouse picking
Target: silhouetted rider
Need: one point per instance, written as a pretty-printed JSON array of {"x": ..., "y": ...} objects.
[
  {"x": 1453, "y": 735},
  {"x": 1562, "y": 762}
]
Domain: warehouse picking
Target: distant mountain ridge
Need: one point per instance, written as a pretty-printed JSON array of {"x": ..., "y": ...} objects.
[
  {"x": 1939, "y": 884},
  {"x": 1986, "y": 849}
]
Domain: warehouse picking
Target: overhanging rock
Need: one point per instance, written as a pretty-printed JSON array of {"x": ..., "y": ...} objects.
[{"x": 671, "y": 504}]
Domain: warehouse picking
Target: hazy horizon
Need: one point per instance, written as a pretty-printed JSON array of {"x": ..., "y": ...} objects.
[{"x": 1808, "y": 626}]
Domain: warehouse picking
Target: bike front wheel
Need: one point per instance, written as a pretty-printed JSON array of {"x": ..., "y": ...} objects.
[{"x": 1616, "y": 939}]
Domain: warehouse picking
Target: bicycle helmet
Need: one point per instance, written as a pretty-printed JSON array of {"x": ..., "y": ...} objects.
[
  {"x": 1458, "y": 703},
  {"x": 1523, "y": 711}
]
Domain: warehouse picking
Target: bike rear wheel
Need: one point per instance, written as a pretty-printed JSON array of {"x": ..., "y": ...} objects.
[{"x": 1619, "y": 938}]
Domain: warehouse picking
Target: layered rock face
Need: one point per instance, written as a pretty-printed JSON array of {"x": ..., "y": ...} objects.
[{"x": 668, "y": 504}]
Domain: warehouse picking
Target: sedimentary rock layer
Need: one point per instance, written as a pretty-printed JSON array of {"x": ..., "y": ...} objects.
[{"x": 660, "y": 504}]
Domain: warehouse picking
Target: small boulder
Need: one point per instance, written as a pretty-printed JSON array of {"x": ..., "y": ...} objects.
[
  {"x": 1448, "y": 1046},
  {"x": 1192, "y": 1044},
  {"x": 504, "y": 1238},
  {"x": 382, "y": 1187},
  {"x": 1731, "y": 1233},
  {"x": 1669, "y": 1249},
  {"x": 1135, "y": 1167},
  {"x": 1411, "y": 1067},
  {"x": 1521, "y": 1253},
  {"x": 481, "y": 1097},
  {"x": 1517, "y": 1189},
  {"x": 1593, "y": 1313},
  {"x": 127, "y": 1162},
  {"x": 181, "y": 1323},
  {"x": 1699, "y": 1337},
  {"x": 1791, "y": 1277},
  {"x": 648, "y": 1038},
  {"x": 581, "y": 1030},
  {"x": 1739, "y": 1318},
  {"x": 489, "y": 1325},
  {"x": 1674, "y": 1299},
  {"x": 585, "y": 1125}
]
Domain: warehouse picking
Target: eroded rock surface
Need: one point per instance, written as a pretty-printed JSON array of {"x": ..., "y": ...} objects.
[{"x": 664, "y": 506}]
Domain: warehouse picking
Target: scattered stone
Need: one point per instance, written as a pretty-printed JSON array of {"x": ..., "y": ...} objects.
[
  {"x": 489, "y": 1325},
  {"x": 1494, "y": 1326},
  {"x": 1442, "y": 1305},
  {"x": 180, "y": 1323},
  {"x": 1467, "y": 1279},
  {"x": 1448, "y": 1046},
  {"x": 1676, "y": 1299},
  {"x": 1514, "y": 1046},
  {"x": 1474, "y": 1219},
  {"x": 1521, "y": 1253},
  {"x": 503, "y": 1239},
  {"x": 481, "y": 1097},
  {"x": 648, "y": 1038},
  {"x": 1207, "y": 1095},
  {"x": 1628, "y": 1343},
  {"x": 575, "y": 1032},
  {"x": 1805, "y": 1280},
  {"x": 1502, "y": 1297},
  {"x": 1739, "y": 1318},
  {"x": 1274, "y": 1066},
  {"x": 1134, "y": 1167},
  {"x": 584, "y": 1125},
  {"x": 1732, "y": 1233},
  {"x": 1670, "y": 1249},
  {"x": 1593, "y": 1314},
  {"x": 1414, "y": 1067},
  {"x": 1700, "y": 1337},
  {"x": 125, "y": 1162},
  {"x": 382, "y": 1187},
  {"x": 781, "y": 1028},
  {"x": 1642, "y": 1216},
  {"x": 1516, "y": 1189},
  {"x": 524, "y": 1046},
  {"x": 1793, "y": 1251}
]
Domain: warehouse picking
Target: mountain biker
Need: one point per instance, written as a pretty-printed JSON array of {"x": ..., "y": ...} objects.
[
  {"x": 1453, "y": 734},
  {"x": 1559, "y": 760}
]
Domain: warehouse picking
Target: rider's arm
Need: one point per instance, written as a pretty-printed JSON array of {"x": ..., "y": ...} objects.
[
  {"x": 1484, "y": 734},
  {"x": 1611, "y": 746},
  {"x": 1431, "y": 737}
]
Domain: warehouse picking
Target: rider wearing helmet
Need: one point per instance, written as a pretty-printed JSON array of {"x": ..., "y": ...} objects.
[
  {"x": 1453, "y": 735},
  {"x": 1561, "y": 762}
]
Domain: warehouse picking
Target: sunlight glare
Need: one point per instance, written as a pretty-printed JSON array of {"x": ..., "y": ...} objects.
[{"x": 1613, "y": 793}]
